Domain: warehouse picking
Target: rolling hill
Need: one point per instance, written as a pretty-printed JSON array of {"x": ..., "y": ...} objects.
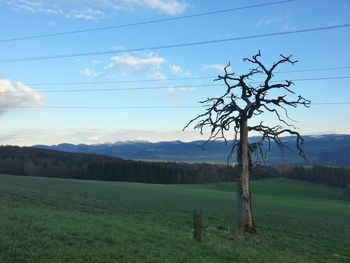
[
  {"x": 321, "y": 150},
  {"x": 62, "y": 220}
]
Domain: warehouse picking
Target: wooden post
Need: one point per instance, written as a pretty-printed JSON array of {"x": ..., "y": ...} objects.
[{"x": 197, "y": 231}]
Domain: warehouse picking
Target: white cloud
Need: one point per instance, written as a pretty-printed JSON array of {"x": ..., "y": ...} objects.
[
  {"x": 175, "y": 69},
  {"x": 170, "y": 7},
  {"x": 217, "y": 67},
  {"x": 173, "y": 90},
  {"x": 88, "y": 72},
  {"x": 29, "y": 137},
  {"x": 137, "y": 63},
  {"x": 157, "y": 76},
  {"x": 265, "y": 22},
  {"x": 67, "y": 9},
  {"x": 86, "y": 14},
  {"x": 179, "y": 71},
  {"x": 35, "y": 6},
  {"x": 95, "y": 10},
  {"x": 18, "y": 94},
  {"x": 178, "y": 94},
  {"x": 93, "y": 138},
  {"x": 281, "y": 21}
]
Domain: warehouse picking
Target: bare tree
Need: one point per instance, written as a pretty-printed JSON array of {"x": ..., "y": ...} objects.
[{"x": 230, "y": 113}]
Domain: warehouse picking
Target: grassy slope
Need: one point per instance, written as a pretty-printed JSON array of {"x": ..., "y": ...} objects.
[{"x": 55, "y": 220}]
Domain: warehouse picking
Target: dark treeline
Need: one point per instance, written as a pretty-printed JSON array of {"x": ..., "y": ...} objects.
[
  {"x": 331, "y": 176},
  {"x": 28, "y": 161}
]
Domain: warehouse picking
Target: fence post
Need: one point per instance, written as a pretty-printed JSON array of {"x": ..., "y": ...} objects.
[{"x": 197, "y": 218}]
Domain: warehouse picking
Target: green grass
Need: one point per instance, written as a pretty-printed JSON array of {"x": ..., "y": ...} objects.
[{"x": 58, "y": 220}]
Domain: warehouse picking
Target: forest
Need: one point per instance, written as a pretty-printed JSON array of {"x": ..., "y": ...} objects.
[{"x": 27, "y": 161}]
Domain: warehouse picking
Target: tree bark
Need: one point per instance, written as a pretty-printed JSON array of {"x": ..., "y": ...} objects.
[{"x": 244, "y": 209}]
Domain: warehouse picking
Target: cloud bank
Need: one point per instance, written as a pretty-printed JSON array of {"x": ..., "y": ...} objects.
[
  {"x": 29, "y": 137},
  {"x": 96, "y": 10},
  {"x": 17, "y": 95},
  {"x": 137, "y": 63}
]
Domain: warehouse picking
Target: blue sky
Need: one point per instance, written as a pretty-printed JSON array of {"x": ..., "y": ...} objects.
[{"x": 45, "y": 125}]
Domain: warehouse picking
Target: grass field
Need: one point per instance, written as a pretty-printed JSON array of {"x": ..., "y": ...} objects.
[{"x": 60, "y": 220}]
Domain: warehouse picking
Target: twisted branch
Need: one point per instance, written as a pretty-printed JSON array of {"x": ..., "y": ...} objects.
[{"x": 243, "y": 101}]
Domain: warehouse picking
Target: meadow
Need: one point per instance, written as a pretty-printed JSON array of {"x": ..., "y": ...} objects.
[{"x": 65, "y": 220}]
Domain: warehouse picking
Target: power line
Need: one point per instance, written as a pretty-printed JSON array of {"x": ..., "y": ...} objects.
[
  {"x": 138, "y": 107},
  {"x": 117, "y": 81},
  {"x": 161, "y": 80},
  {"x": 100, "y": 107},
  {"x": 331, "y": 103},
  {"x": 115, "y": 89},
  {"x": 161, "y": 87},
  {"x": 198, "y": 43},
  {"x": 313, "y": 69},
  {"x": 312, "y": 79},
  {"x": 142, "y": 23}
]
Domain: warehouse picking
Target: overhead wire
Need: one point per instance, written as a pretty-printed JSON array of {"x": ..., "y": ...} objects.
[
  {"x": 179, "y": 45},
  {"x": 160, "y": 87},
  {"x": 164, "y": 80},
  {"x": 138, "y": 107},
  {"x": 313, "y": 69},
  {"x": 115, "y": 89},
  {"x": 142, "y": 23}
]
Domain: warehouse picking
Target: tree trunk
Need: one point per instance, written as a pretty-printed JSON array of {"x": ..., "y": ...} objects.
[{"x": 244, "y": 209}]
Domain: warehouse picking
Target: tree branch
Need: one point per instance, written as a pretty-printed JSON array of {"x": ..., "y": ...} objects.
[{"x": 243, "y": 101}]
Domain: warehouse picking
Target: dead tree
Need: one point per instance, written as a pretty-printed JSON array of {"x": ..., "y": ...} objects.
[{"x": 230, "y": 113}]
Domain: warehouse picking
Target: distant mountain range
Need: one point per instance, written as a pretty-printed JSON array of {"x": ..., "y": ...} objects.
[{"x": 320, "y": 150}]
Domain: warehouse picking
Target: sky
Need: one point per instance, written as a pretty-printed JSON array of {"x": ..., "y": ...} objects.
[{"x": 177, "y": 70}]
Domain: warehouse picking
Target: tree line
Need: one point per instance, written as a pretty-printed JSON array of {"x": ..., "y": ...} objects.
[{"x": 27, "y": 161}]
